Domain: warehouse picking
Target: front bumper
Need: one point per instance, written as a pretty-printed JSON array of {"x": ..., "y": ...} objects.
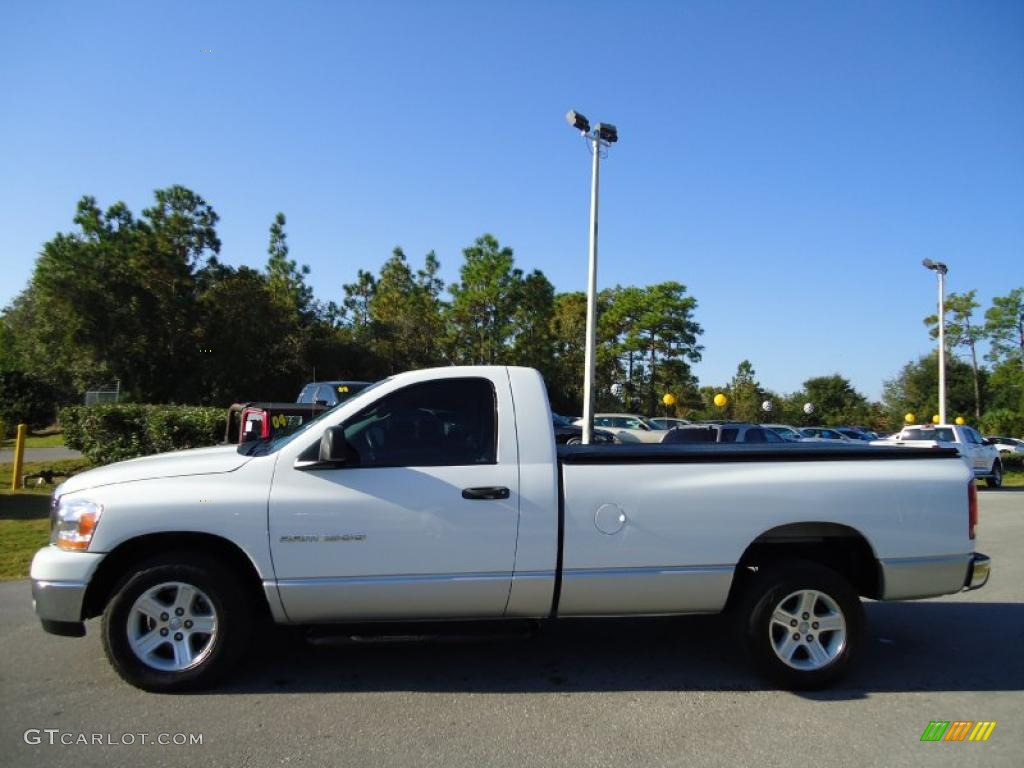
[
  {"x": 59, "y": 582},
  {"x": 978, "y": 571}
]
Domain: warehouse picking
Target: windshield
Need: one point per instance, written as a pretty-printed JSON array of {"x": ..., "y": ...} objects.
[
  {"x": 942, "y": 435},
  {"x": 264, "y": 447}
]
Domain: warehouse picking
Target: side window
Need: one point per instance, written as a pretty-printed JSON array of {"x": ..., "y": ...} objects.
[
  {"x": 756, "y": 435},
  {"x": 728, "y": 435},
  {"x": 450, "y": 422},
  {"x": 972, "y": 435},
  {"x": 772, "y": 437}
]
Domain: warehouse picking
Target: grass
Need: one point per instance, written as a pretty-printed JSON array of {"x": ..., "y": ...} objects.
[
  {"x": 24, "y": 528},
  {"x": 1013, "y": 478},
  {"x": 24, "y": 516},
  {"x": 44, "y": 438},
  {"x": 39, "y": 441},
  {"x": 64, "y": 466}
]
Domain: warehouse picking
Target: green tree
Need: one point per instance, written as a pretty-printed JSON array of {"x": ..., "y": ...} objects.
[
  {"x": 568, "y": 330},
  {"x": 961, "y": 332},
  {"x": 533, "y": 336},
  {"x": 286, "y": 279},
  {"x": 356, "y": 304},
  {"x": 116, "y": 299},
  {"x": 745, "y": 394},
  {"x": 406, "y": 315},
  {"x": 25, "y": 399},
  {"x": 481, "y": 314},
  {"x": 915, "y": 389},
  {"x": 654, "y": 338},
  {"x": 1004, "y": 325},
  {"x": 246, "y": 337},
  {"x": 835, "y": 401}
]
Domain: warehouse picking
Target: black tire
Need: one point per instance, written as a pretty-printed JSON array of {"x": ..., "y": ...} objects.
[
  {"x": 773, "y": 587},
  {"x": 996, "y": 480},
  {"x": 574, "y": 441},
  {"x": 220, "y": 595}
]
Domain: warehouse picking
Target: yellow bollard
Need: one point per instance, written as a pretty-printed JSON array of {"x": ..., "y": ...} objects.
[{"x": 19, "y": 457}]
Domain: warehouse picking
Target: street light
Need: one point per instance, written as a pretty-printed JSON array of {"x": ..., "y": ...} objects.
[
  {"x": 941, "y": 269},
  {"x": 601, "y": 137}
]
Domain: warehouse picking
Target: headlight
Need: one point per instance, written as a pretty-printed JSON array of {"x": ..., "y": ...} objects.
[{"x": 74, "y": 522}]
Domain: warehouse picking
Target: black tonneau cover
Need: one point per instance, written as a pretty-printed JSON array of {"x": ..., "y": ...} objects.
[{"x": 715, "y": 453}]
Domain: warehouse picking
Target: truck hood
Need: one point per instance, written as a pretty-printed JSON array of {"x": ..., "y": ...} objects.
[{"x": 197, "y": 461}]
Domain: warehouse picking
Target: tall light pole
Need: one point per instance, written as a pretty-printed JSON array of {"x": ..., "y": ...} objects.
[
  {"x": 941, "y": 270},
  {"x": 602, "y": 136}
]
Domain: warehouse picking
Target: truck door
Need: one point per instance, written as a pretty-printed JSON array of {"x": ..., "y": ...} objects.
[{"x": 423, "y": 522}]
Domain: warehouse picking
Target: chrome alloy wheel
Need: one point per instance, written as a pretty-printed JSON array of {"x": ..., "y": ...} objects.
[
  {"x": 807, "y": 630},
  {"x": 172, "y": 626}
]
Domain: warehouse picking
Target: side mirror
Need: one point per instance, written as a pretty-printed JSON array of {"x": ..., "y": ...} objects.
[{"x": 334, "y": 448}]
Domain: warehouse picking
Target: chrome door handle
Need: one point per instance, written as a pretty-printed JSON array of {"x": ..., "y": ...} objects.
[{"x": 488, "y": 492}]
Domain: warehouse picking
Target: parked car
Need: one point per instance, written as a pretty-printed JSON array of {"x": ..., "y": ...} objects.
[
  {"x": 786, "y": 432},
  {"x": 439, "y": 496},
  {"x": 981, "y": 457},
  {"x": 667, "y": 422},
  {"x": 855, "y": 433},
  {"x": 731, "y": 432},
  {"x": 1006, "y": 445},
  {"x": 826, "y": 433},
  {"x": 265, "y": 421},
  {"x": 567, "y": 433},
  {"x": 628, "y": 427},
  {"x": 330, "y": 393}
]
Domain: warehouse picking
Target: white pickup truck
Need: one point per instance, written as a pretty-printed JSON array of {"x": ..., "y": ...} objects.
[
  {"x": 440, "y": 495},
  {"x": 977, "y": 452}
]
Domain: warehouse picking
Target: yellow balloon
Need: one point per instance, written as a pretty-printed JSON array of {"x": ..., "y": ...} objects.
[
  {"x": 669, "y": 399},
  {"x": 960, "y": 420},
  {"x": 935, "y": 419},
  {"x": 721, "y": 400},
  {"x": 909, "y": 418}
]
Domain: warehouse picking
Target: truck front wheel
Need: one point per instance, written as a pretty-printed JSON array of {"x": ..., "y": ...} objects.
[
  {"x": 802, "y": 624},
  {"x": 179, "y": 622}
]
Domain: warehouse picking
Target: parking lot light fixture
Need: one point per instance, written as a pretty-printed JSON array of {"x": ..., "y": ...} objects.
[
  {"x": 940, "y": 270},
  {"x": 600, "y": 138}
]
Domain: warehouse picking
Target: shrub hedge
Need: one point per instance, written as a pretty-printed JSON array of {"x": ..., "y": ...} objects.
[{"x": 108, "y": 433}]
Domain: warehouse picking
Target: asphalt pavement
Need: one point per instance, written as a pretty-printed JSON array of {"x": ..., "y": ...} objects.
[{"x": 654, "y": 692}]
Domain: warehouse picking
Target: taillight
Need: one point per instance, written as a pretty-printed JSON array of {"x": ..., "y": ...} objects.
[{"x": 972, "y": 508}]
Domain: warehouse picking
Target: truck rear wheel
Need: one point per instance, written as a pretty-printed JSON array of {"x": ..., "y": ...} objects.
[
  {"x": 802, "y": 624},
  {"x": 179, "y": 622}
]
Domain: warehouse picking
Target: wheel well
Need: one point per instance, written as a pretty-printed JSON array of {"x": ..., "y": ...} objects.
[
  {"x": 838, "y": 547},
  {"x": 117, "y": 563}
]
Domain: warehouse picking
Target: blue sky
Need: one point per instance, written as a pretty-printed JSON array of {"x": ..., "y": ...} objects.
[{"x": 790, "y": 162}]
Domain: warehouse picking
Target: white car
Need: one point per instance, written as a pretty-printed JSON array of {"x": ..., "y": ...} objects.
[
  {"x": 980, "y": 456},
  {"x": 667, "y": 422},
  {"x": 628, "y": 427},
  {"x": 1006, "y": 444},
  {"x": 440, "y": 496}
]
